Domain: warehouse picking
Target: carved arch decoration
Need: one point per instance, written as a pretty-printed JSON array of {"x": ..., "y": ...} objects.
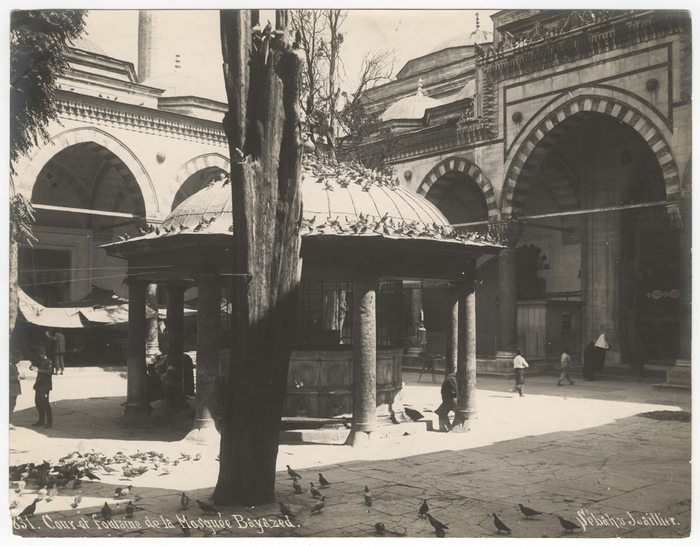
[
  {"x": 562, "y": 116},
  {"x": 471, "y": 170},
  {"x": 137, "y": 181}
]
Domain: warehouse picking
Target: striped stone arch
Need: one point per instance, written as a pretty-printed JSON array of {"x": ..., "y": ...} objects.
[
  {"x": 552, "y": 124},
  {"x": 137, "y": 181},
  {"x": 432, "y": 181}
]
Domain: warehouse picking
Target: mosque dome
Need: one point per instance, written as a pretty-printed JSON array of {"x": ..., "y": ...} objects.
[
  {"x": 477, "y": 36},
  {"x": 180, "y": 85},
  {"x": 86, "y": 45},
  {"x": 412, "y": 107},
  {"x": 342, "y": 200}
]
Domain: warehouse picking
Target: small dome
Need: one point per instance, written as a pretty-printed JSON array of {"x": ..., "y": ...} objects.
[
  {"x": 346, "y": 201},
  {"x": 86, "y": 45},
  {"x": 468, "y": 91},
  {"x": 413, "y": 107},
  {"x": 467, "y": 39},
  {"x": 179, "y": 85}
]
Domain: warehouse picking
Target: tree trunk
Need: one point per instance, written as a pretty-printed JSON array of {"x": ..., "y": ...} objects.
[
  {"x": 14, "y": 284},
  {"x": 263, "y": 77}
]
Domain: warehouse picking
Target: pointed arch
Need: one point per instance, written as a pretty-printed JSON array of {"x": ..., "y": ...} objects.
[
  {"x": 138, "y": 183},
  {"x": 570, "y": 110},
  {"x": 431, "y": 181}
]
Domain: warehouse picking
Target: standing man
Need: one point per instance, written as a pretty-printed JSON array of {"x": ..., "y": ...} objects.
[
  {"x": 59, "y": 348},
  {"x": 15, "y": 386},
  {"x": 42, "y": 388}
]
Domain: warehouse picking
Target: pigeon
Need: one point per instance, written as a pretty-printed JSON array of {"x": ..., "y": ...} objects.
[
  {"x": 413, "y": 414},
  {"x": 206, "y": 507},
  {"x": 323, "y": 481},
  {"x": 314, "y": 492},
  {"x": 292, "y": 473},
  {"x": 14, "y": 504},
  {"x": 76, "y": 501},
  {"x": 185, "y": 529},
  {"x": 423, "y": 509},
  {"x": 284, "y": 510},
  {"x": 106, "y": 512},
  {"x": 527, "y": 512},
  {"x": 91, "y": 476},
  {"x": 42, "y": 493},
  {"x": 125, "y": 492},
  {"x": 296, "y": 487},
  {"x": 129, "y": 510},
  {"x": 500, "y": 525},
  {"x": 109, "y": 469},
  {"x": 319, "y": 506},
  {"x": 117, "y": 492},
  {"x": 198, "y": 456},
  {"x": 567, "y": 525},
  {"x": 435, "y": 523},
  {"x": 184, "y": 500},
  {"x": 77, "y": 483},
  {"x": 380, "y": 527},
  {"x": 29, "y": 510},
  {"x": 185, "y": 456},
  {"x": 21, "y": 484},
  {"x": 52, "y": 493},
  {"x": 368, "y": 496}
]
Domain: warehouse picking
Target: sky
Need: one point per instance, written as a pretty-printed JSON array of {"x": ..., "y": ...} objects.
[{"x": 194, "y": 35}]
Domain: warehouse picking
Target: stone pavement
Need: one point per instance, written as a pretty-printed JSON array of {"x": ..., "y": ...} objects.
[{"x": 582, "y": 452}]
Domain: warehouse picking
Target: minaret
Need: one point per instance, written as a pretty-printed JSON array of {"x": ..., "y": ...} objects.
[{"x": 147, "y": 44}]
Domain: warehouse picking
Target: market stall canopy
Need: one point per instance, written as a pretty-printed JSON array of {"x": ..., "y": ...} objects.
[
  {"x": 50, "y": 317},
  {"x": 76, "y": 315}
]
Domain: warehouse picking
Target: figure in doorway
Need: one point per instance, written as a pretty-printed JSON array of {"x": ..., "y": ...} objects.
[
  {"x": 589, "y": 362},
  {"x": 601, "y": 346}
]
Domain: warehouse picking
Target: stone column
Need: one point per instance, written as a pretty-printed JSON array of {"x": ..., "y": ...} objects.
[
  {"x": 152, "y": 347},
  {"x": 364, "y": 364},
  {"x": 507, "y": 232},
  {"x": 137, "y": 410},
  {"x": 175, "y": 397},
  {"x": 680, "y": 375},
  {"x": 208, "y": 313},
  {"x": 466, "y": 368},
  {"x": 452, "y": 344}
]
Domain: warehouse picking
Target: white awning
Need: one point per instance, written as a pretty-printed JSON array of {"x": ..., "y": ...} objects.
[{"x": 50, "y": 317}]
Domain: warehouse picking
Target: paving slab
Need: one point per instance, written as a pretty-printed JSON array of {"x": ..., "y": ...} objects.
[{"x": 559, "y": 451}]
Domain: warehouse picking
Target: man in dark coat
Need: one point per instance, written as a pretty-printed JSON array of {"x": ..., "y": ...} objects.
[
  {"x": 449, "y": 401},
  {"x": 42, "y": 388}
]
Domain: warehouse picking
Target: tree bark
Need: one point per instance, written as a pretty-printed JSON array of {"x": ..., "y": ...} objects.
[
  {"x": 14, "y": 284},
  {"x": 263, "y": 77}
]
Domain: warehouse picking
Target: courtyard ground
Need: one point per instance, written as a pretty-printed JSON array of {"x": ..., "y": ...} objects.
[{"x": 585, "y": 452}]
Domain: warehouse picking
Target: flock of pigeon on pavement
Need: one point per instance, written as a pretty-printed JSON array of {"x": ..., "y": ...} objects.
[
  {"x": 423, "y": 511},
  {"x": 76, "y": 469}
]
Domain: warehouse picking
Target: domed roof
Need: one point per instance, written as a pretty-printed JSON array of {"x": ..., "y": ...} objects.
[
  {"x": 477, "y": 36},
  {"x": 86, "y": 45},
  {"x": 413, "y": 107},
  {"x": 180, "y": 85},
  {"x": 338, "y": 200}
]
